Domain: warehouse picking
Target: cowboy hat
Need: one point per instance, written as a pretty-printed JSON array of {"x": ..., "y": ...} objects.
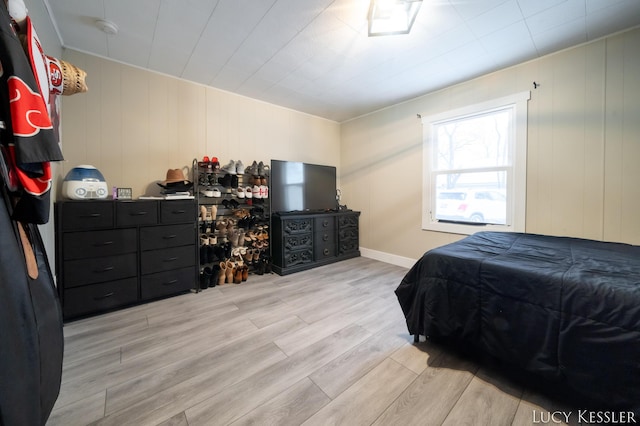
[{"x": 175, "y": 178}]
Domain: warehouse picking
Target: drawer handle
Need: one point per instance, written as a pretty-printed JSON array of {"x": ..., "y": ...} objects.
[
  {"x": 92, "y": 215},
  {"x": 168, "y": 237},
  {"x": 171, "y": 259},
  {"x": 172, "y": 282},
  {"x": 325, "y": 223},
  {"x": 179, "y": 211},
  {"x": 326, "y": 252},
  {"x": 105, "y": 296},
  {"x": 140, "y": 213},
  {"x": 107, "y": 269},
  {"x": 325, "y": 237},
  {"x": 104, "y": 243}
]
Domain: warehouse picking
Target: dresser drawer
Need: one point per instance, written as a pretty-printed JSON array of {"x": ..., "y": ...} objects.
[
  {"x": 350, "y": 221},
  {"x": 166, "y": 283},
  {"x": 86, "y": 215},
  {"x": 324, "y": 224},
  {"x": 324, "y": 245},
  {"x": 297, "y": 226},
  {"x": 158, "y": 237},
  {"x": 99, "y": 269},
  {"x": 80, "y": 245},
  {"x": 296, "y": 258},
  {"x": 167, "y": 259},
  {"x": 348, "y": 234},
  {"x": 298, "y": 242},
  {"x": 178, "y": 211},
  {"x": 133, "y": 213},
  {"x": 99, "y": 297}
]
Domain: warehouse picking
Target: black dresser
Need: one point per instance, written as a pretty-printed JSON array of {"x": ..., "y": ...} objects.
[
  {"x": 111, "y": 254},
  {"x": 307, "y": 240}
]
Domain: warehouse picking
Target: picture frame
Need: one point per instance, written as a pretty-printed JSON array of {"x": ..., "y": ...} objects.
[{"x": 124, "y": 193}]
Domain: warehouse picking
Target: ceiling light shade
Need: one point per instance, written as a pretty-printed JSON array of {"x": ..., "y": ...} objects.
[
  {"x": 391, "y": 17},
  {"x": 107, "y": 27}
]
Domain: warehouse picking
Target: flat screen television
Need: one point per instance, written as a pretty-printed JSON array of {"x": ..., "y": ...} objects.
[{"x": 302, "y": 187}]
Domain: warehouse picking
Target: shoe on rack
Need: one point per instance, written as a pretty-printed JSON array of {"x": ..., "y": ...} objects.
[
  {"x": 205, "y": 278},
  {"x": 237, "y": 275},
  {"x": 247, "y": 192},
  {"x": 230, "y": 167},
  {"x": 211, "y": 254},
  {"x": 245, "y": 272},
  {"x": 215, "y": 165},
  {"x": 229, "y": 271},
  {"x": 215, "y": 275},
  {"x": 255, "y": 192},
  {"x": 204, "y": 249},
  {"x": 215, "y": 192},
  {"x": 240, "y": 167},
  {"x": 205, "y": 164},
  {"x": 207, "y": 192},
  {"x": 225, "y": 180},
  {"x": 223, "y": 273},
  {"x": 263, "y": 169},
  {"x": 252, "y": 169},
  {"x": 240, "y": 192}
]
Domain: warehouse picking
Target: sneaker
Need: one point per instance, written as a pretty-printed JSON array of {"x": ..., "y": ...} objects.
[
  {"x": 207, "y": 192},
  {"x": 215, "y": 165},
  {"x": 247, "y": 192},
  {"x": 263, "y": 169},
  {"x": 252, "y": 169},
  {"x": 225, "y": 180},
  {"x": 239, "y": 167},
  {"x": 240, "y": 192},
  {"x": 216, "y": 192},
  {"x": 230, "y": 168},
  {"x": 255, "y": 192}
]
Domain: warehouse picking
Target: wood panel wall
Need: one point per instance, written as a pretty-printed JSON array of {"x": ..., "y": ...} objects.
[
  {"x": 583, "y": 177},
  {"x": 134, "y": 125}
]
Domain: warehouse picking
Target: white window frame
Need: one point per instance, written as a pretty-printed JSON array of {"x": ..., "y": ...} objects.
[{"x": 517, "y": 181}]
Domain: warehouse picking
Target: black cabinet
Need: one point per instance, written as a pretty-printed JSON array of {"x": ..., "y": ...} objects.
[
  {"x": 111, "y": 254},
  {"x": 304, "y": 241}
]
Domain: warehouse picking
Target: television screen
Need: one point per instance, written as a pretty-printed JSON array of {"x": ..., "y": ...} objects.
[{"x": 297, "y": 186}]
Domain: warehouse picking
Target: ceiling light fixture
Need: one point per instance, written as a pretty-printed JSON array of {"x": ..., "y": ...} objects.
[
  {"x": 391, "y": 17},
  {"x": 107, "y": 27}
]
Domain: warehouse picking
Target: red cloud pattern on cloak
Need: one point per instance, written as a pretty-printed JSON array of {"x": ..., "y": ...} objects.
[{"x": 28, "y": 110}]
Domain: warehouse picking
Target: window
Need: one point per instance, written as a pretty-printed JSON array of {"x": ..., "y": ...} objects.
[{"x": 475, "y": 167}]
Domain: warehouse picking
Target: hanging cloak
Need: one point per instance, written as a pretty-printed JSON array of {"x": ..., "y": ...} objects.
[
  {"x": 31, "y": 339},
  {"x": 29, "y": 140}
]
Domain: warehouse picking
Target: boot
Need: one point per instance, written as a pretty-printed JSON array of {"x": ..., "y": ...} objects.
[
  {"x": 229, "y": 272},
  {"x": 223, "y": 273},
  {"x": 205, "y": 277},
  {"x": 245, "y": 272},
  {"x": 215, "y": 275},
  {"x": 237, "y": 274}
]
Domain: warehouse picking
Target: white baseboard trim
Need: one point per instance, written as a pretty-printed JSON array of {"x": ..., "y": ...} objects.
[{"x": 393, "y": 259}]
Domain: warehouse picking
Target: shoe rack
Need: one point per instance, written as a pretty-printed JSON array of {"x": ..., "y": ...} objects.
[{"x": 233, "y": 220}]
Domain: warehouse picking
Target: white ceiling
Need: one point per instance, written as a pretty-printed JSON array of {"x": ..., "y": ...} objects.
[{"x": 314, "y": 55}]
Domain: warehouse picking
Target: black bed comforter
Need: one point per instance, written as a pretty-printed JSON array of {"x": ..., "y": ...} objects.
[{"x": 564, "y": 308}]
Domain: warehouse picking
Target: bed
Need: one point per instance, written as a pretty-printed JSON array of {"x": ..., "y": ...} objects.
[{"x": 566, "y": 309}]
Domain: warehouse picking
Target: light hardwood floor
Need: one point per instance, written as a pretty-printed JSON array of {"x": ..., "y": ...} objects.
[{"x": 325, "y": 346}]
